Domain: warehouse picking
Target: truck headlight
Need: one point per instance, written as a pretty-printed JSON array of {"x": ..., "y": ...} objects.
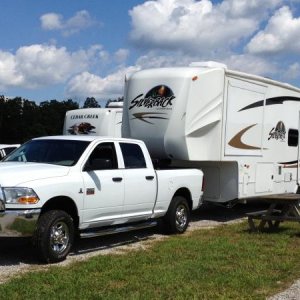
[{"x": 19, "y": 195}]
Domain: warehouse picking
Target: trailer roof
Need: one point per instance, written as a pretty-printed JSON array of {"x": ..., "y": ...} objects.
[
  {"x": 201, "y": 67},
  {"x": 262, "y": 79},
  {"x": 217, "y": 65}
]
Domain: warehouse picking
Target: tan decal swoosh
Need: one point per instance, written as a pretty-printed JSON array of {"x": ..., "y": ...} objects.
[
  {"x": 290, "y": 167},
  {"x": 148, "y": 115},
  {"x": 236, "y": 141},
  {"x": 289, "y": 164}
]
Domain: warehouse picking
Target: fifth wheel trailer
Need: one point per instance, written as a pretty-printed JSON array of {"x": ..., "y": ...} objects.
[
  {"x": 94, "y": 121},
  {"x": 242, "y": 130}
]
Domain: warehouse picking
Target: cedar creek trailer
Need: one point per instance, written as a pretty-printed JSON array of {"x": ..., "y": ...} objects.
[
  {"x": 94, "y": 121},
  {"x": 241, "y": 130}
]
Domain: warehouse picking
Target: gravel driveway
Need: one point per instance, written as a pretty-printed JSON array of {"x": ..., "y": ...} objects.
[{"x": 16, "y": 255}]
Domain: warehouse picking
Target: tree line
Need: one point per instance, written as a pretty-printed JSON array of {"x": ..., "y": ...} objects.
[{"x": 22, "y": 119}]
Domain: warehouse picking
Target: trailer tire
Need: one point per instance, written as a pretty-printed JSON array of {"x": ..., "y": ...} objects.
[
  {"x": 178, "y": 216},
  {"x": 54, "y": 236}
]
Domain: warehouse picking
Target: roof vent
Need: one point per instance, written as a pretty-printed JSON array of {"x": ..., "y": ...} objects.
[
  {"x": 208, "y": 64},
  {"x": 115, "y": 104}
]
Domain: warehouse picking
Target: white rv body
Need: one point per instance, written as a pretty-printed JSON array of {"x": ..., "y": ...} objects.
[
  {"x": 241, "y": 130},
  {"x": 93, "y": 121}
]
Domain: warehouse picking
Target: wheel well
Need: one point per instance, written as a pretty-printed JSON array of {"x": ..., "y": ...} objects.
[
  {"x": 184, "y": 192},
  {"x": 63, "y": 203}
]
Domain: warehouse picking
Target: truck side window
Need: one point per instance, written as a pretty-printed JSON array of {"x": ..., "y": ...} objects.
[
  {"x": 103, "y": 157},
  {"x": 133, "y": 156},
  {"x": 293, "y": 137}
]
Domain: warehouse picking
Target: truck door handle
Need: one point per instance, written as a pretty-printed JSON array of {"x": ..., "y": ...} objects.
[
  {"x": 149, "y": 177},
  {"x": 117, "y": 179}
]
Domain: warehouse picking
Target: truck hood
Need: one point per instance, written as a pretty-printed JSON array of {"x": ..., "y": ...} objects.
[{"x": 18, "y": 173}]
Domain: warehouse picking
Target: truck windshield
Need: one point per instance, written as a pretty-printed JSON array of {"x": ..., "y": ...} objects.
[{"x": 58, "y": 152}]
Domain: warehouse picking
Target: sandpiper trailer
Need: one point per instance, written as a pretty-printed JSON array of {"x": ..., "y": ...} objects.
[
  {"x": 94, "y": 121},
  {"x": 242, "y": 130}
]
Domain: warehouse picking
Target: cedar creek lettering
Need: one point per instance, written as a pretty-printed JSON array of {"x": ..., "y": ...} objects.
[
  {"x": 87, "y": 116},
  {"x": 151, "y": 101}
]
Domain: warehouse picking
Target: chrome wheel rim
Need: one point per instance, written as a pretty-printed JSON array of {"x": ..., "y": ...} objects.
[
  {"x": 59, "y": 237},
  {"x": 181, "y": 216}
]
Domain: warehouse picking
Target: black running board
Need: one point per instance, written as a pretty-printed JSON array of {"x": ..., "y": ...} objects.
[{"x": 117, "y": 229}]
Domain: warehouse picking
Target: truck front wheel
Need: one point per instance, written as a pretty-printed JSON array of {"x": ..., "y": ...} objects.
[
  {"x": 178, "y": 215},
  {"x": 54, "y": 236}
]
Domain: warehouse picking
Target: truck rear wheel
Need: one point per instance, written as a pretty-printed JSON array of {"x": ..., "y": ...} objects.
[
  {"x": 178, "y": 216},
  {"x": 54, "y": 236}
]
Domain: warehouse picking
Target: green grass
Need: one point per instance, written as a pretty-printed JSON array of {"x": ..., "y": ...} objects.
[{"x": 223, "y": 263}]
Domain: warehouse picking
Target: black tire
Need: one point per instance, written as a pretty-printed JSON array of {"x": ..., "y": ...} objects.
[
  {"x": 178, "y": 216},
  {"x": 54, "y": 236}
]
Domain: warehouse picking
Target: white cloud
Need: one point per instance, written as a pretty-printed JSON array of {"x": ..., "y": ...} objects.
[
  {"x": 196, "y": 26},
  {"x": 177, "y": 32},
  {"x": 241, "y": 62},
  {"x": 170, "y": 33},
  {"x": 249, "y": 8},
  {"x": 154, "y": 59},
  {"x": 281, "y": 35},
  {"x": 90, "y": 85},
  {"x": 96, "y": 55},
  {"x": 8, "y": 74},
  {"x": 44, "y": 65},
  {"x": 53, "y": 21},
  {"x": 251, "y": 64},
  {"x": 293, "y": 71},
  {"x": 121, "y": 55}
]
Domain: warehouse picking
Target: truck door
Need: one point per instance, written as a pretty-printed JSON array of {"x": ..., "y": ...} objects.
[
  {"x": 140, "y": 182},
  {"x": 104, "y": 186}
]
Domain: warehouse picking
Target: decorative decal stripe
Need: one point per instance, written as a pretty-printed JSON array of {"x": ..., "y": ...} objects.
[
  {"x": 253, "y": 105},
  {"x": 236, "y": 141},
  {"x": 289, "y": 164},
  {"x": 148, "y": 115},
  {"x": 271, "y": 101},
  {"x": 280, "y": 100},
  {"x": 291, "y": 167}
]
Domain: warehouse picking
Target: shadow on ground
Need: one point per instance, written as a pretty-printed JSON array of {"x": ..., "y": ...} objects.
[{"x": 16, "y": 251}]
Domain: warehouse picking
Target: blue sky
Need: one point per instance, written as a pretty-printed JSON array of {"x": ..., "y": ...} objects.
[{"x": 63, "y": 49}]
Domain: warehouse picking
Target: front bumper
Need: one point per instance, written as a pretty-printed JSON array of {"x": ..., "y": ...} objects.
[{"x": 18, "y": 223}]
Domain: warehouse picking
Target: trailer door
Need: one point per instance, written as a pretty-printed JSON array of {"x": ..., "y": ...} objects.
[{"x": 244, "y": 118}]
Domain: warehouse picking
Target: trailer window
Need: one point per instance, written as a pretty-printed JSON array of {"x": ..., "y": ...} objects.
[
  {"x": 293, "y": 137},
  {"x": 133, "y": 156}
]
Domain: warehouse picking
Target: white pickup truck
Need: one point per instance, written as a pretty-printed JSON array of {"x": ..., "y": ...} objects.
[{"x": 53, "y": 188}]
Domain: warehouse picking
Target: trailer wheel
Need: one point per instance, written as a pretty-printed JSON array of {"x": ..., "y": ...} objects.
[
  {"x": 54, "y": 236},
  {"x": 178, "y": 216}
]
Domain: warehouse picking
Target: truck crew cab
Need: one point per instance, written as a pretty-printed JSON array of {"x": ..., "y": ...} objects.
[{"x": 52, "y": 188}]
